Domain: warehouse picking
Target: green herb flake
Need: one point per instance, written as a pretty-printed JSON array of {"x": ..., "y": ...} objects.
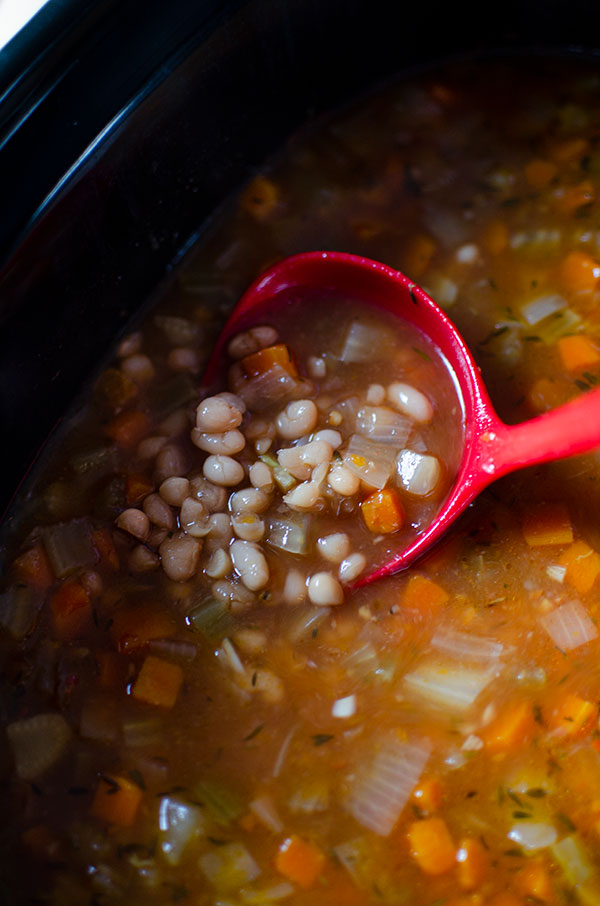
[
  {"x": 320, "y": 739},
  {"x": 254, "y": 733}
]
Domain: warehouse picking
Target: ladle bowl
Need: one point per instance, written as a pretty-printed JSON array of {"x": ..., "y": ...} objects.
[{"x": 491, "y": 448}]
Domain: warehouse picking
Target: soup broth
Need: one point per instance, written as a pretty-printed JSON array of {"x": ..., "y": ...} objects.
[{"x": 198, "y": 707}]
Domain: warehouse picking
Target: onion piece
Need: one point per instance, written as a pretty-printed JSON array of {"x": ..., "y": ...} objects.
[
  {"x": 532, "y": 835},
  {"x": 383, "y": 425},
  {"x": 264, "y": 809},
  {"x": 466, "y": 646},
  {"x": 229, "y": 866},
  {"x": 310, "y": 797},
  {"x": 363, "y": 343},
  {"x": 562, "y": 323},
  {"x": 69, "y": 546},
  {"x": 418, "y": 473},
  {"x": 38, "y": 743},
  {"x": 290, "y": 534},
  {"x": 449, "y": 685},
  {"x": 573, "y": 860},
  {"x": 272, "y": 894},
  {"x": 372, "y": 462},
  {"x": 569, "y": 626},
  {"x": 179, "y": 823},
  {"x": 542, "y": 307},
  {"x": 382, "y": 788},
  {"x": 344, "y": 707}
]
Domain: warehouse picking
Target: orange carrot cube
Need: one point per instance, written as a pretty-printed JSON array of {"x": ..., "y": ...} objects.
[
  {"x": 510, "y": 729},
  {"x": 423, "y": 595},
  {"x": 133, "y": 627},
  {"x": 418, "y": 255},
  {"x": 539, "y": 173},
  {"x": 299, "y": 861},
  {"x": 116, "y": 801},
  {"x": 578, "y": 272},
  {"x": 158, "y": 682},
  {"x": 548, "y": 524},
  {"x": 582, "y": 565},
  {"x": 431, "y": 846},
  {"x": 495, "y": 238},
  {"x": 473, "y": 863},
  {"x": 137, "y": 487},
  {"x": 71, "y": 610},
  {"x": 33, "y": 568},
  {"x": 261, "y": 362},
  {"x": 573, "y": 715},
  {"x": 429, "y": 794},
  {"x": 578, "y": 352},
  {"x": 383, "y": 512},
  {"x": 128, "y": 428}
]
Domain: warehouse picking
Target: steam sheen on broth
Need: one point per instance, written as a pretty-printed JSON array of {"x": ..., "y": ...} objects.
[{"x": 197, "y": 708}]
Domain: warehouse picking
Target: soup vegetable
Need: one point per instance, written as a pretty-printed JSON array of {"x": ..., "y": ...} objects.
[{"x": 198, "y": 707}]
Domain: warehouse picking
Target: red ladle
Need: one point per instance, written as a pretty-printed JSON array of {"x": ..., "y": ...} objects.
[{"x": 490, "y": 447}]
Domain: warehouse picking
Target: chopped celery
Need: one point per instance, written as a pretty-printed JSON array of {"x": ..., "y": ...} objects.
[
  {"x": 211, "y": 618},
  {"x": 558, "y": 325},
  {"x": 38, "y": 743},
  {"x": 572, "y": 858},
  {"x": 222, "y": 803},
  {"x": 229, "y": 867},
  {"x": 19, "y": 607},
  {"x": 283, "y": 478},
  {"x": 179, "y": 823},
  {"x": 97, "y": 460}
]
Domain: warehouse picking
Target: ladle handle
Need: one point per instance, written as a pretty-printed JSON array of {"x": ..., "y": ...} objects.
[{"x": 570, "y": 429}]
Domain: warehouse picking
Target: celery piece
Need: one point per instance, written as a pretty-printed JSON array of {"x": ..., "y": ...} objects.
[
  {"x": 284, "y": 480},
  {"x": 19, "y": 607},
  {"x": 69, "y": 546},
  {"x": 97, "y": 460},
  {"x": 211, "y": 618},
  {"x": 223, "y": 804}
]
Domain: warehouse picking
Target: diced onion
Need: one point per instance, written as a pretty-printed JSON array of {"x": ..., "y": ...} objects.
[
  {"x": 178, "y": 822},
  {"x": 38, "y": 743},
  {"x": 573, "y": 860},
  {"x": 417, "y": 473},
  {"x": 229, "y": 867},
  {"x": 382, "y": 425},
  {"x": 310, "y": 796},
  {"x": 464, "y": 645},
  {"x": 532, "y": 834},
  {"x": 272, "y": 894},
  {"x": 363, "y": 343},
  {"x": 264, "y": 809},
  {"x": 372, "y": 462},
  {"x": 69, "y": 546},
  {"x": 344, "y": 707},
  {"x": 448, "y": 684},
  {"x": 542, "y": 307},
  {"x": 556, "y": 572},
  {"x": 381, "y": 790},
  {"x": 569, "y": 626},
  {"x": 562, "y": 323},
  {"x": 290, "y": 534}
]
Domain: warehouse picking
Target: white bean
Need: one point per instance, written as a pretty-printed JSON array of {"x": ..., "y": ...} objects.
[
  {"x": 351, "y": 567},
  {"x": 261, "y": 476},
  {"x": 130, "y": 345},
  {"x": 243, "y": 344},
  {"x": 177, "y": 422},
  {"x": 334, "y": 547},
  {"x": 248, "y": 527},
  {"x": 219, "y": 564},
  {"x": 418, "y": 473},
  {"x": 298, "y": 418},
  {"x": 229, "y": 443},
  {"x": 317, "y": 367},
  {"x": 331, "y": 437},
  {"x": 410, "y": 401},
  {"x": 233, "y": 593},
  {"x": 135, "y": 523},
  {"x": 159, "y": 512},
  {"x": 184, "y": 358},
  {"x": 170, "y": 461},
  {"x": 376, "y": 394},
  {"x": 179, "y": 556},
  {"x": 325, "y": 590},
  {"x": 138, "y": 367},
  {"x": 342, "y": 480},
  {"x": 212, "y": 496},
  {"x": 300, "y": 461},
  {"x": 294, "y": 587},
  {"x": 249, "y": 500},
  {"x": 150, "y": 447},
  {"x": 250, "y": 563},
  {"x": 219, "y": 527},
  {"x": 305, "y": 496},
  {"x": 250, "y": 641},
  {"x": 193, "y": 518},
  {"x": 142, "y": 560},
  {"x": 174, "y": 490},
  {"x": 217, "y": 414},
  {"x": 223, "y": 470}
]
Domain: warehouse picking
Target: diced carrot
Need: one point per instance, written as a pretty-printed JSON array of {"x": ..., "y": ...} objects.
[
  {"x": 110, "y": 669},
  {"x": 495, "y": 237},
  {"x": 134, "y": 626},
  {"x": 137, "y": 487},
  {"x": 429, "y": 794},
  {"x": 383, "y": 512},
  {"x": 431, "y": 846},
  {"x": 539, "y": 173},
  {"x": 568, "y": 198},
  {"x": 116, "y": 801},
  {"x": 158, "y": 682},
  {"x": 114, "y": 390},
  {"x": 128, "y": 428},
  {"x": 578, "y": 272},
  {"x": 548, "y": 524},
  {"x": 423, "y": 595},
  {"x": 578, "y": 352},
  {"x": 107, "y": 553},
  {"x": 505, "y": 898},
  {"x": 534, "y": 881},
  {"x": 260, "y": 198},
  {"x": 544, "y": 394},
  {"x": 582, "y": 565},
  {"x": 571, "y": 149},
  {"x": 473, "y": 863},
  {"x": 510, "y": 729},
  {"x": 418, "y": 255},
  {"x": 263, "y": 361},
  {"x": 71, "y": 610},
  {"x": 572, "y": 715},
  {"x": 33, "y": 568},
  {"x": 299, "y": 861}
]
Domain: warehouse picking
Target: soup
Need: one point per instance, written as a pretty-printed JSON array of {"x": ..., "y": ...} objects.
[{"x": 199, "y": 707}]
